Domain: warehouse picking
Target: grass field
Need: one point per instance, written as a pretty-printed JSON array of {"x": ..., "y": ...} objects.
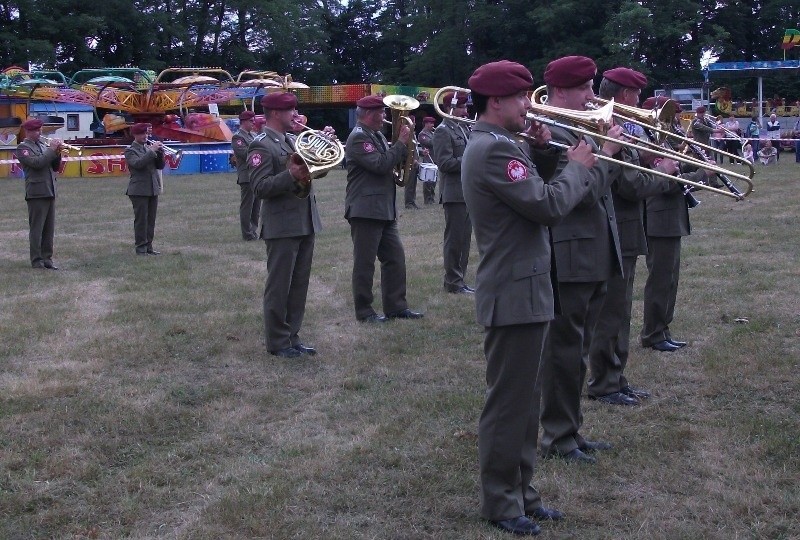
[{"x": 137, "y": 399}]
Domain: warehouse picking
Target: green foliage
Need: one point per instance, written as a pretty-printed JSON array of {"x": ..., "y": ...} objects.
[{"x": 425, "y": 42}]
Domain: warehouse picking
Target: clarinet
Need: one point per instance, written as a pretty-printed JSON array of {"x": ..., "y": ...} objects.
[{"x": 702, "y": 154}]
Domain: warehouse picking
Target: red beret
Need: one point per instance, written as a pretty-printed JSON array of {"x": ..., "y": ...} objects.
[
  {"x": 259, "y": 120},
  {"x": 570, "y": 71},
  {"x": 502, "y": 78},
  {"x": 246, "y": 115},
  {"x": 140, "y": 128},
  {"x": 653, "y": 102},
  {"x": 280, "y": 101},
  {"x": 701, "y": 109},
  {"x": 461, "y": 99},
  {"x": 32, "y": 124},
  {"x": 429, "y": 120},
  {"x": 371, "y": 102},
  {"x": 627, "y": 77}
]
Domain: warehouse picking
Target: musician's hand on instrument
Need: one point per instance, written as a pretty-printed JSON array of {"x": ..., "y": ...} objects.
[
  {"x": 404, "y": 135},
  {"x": 56, "y": 144},
  {"x": 612, "y": 148},
  {"x": 299, "y": 170},
  {"x": 329, "y": 132},
  {"x": 582, "y": 153},
  {"x": 540, "y": 134},
  {"x": 156, "y": 146}
]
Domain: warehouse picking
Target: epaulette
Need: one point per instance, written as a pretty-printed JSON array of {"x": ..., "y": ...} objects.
[
  {"x": 357, "y": 129},
  {"x": 498, "y": 137}
]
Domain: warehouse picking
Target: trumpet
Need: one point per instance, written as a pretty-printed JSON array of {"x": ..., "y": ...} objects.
[
  {"x": 64, "y": 147},
  {"x": 401, "y": 107},
  {"x": 594, "y": 122},
  {"x": 166, "y": 149},
  {"x": 318, "y": 149}
]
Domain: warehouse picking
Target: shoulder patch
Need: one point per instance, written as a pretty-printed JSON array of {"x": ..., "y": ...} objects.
[
  {"x": 255, "y": 159},
  {"x": 26, "y": 152},
  {"x": 239, "y": 142},
  {"x": 369, "y": 147},
  {"x": 516, "y": 170}
]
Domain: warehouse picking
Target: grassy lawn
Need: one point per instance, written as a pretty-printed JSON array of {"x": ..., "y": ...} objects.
[{"x": 137, "y": 399}]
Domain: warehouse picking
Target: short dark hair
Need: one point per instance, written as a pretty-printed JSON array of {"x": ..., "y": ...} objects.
[
  {"x": 609, "y": 89},
  {"x": 479, "y": 102}
]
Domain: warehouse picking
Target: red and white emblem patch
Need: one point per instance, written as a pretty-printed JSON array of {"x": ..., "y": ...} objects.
[
  {"x": 240, "y": 142},
  {"x": 516, "y": 170},
  {"x": 255, "y": 160},
  {"x": 369, "y": 147},
  {"x": 26, "y": 152}
]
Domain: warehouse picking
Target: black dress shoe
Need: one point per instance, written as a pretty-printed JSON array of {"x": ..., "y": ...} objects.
[
  {"x": 405, "y": 314},
  {"x": 50, "y": 266},
  {"x": 468, "y": 288},
  {"x": 288, "y": 352},
  {"x": 463, "y": 290},
  {"x": 374, "y": 318},
  {"x": 575, "y": 456},
  {"x": 664, "y": 346},
  {"x": 153, "y": 252},
  {"x": 637, "y": 393},
  {"x": 521, "y": 526},
  {"x": 39, "y": 265},
  {"x": 616, "y": 398},
  {"x": 677, "y": 343},
  {"x": 142, "y": 253},
  {"x": 310, "y": 351},
  {"x": 594, "y": 446},
  {"x": 543, "y": 514}
]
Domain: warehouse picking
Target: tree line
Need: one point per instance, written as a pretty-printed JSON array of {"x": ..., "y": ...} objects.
[{"x": 421, "y": 42}]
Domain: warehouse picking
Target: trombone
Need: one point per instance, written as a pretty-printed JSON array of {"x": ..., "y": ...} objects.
[
  {"x": 64, "y": 146},
  {"x": 401, "y": 107},
  {"x": 653, "y": 120},
  {"x": 594, "y": 120},
  {"x": 167, "y": 150}
]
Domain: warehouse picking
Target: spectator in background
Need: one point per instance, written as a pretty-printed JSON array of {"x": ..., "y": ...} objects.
[
  {"x": 747, "y": 152},
  {"x": 796, "y": 136},
  {"x": 753, "y": 132},
  {"x": 768, "y": 154},
  {"x": 774, "y": 133},
  {"x": 718, "y": 138},
  {"x": 733, "y": 145}
]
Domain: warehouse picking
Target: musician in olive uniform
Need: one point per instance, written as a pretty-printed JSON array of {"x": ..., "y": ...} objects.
[
  {"x": 511, "y": 207},
  {"x": 289, "y": 222},
  {"x": 586, "y": 252},
  {"x": 39, "y": 163},
  {"x": 250, "y": 206},
  {"x": 608, "y": 351},
  {"x": 449, "y": 142},
  {"x": 144, "y": 161},
  {"x": 666, "y": 221},
  {"x": 702, "y": 128},
  {"x": 410, "y": 188},
  {"x": 425, "y": 140},
  {"x": 370, "y": 208}
]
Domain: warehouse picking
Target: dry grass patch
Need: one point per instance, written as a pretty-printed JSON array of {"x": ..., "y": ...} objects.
[{"x": 136, "y": 398}]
